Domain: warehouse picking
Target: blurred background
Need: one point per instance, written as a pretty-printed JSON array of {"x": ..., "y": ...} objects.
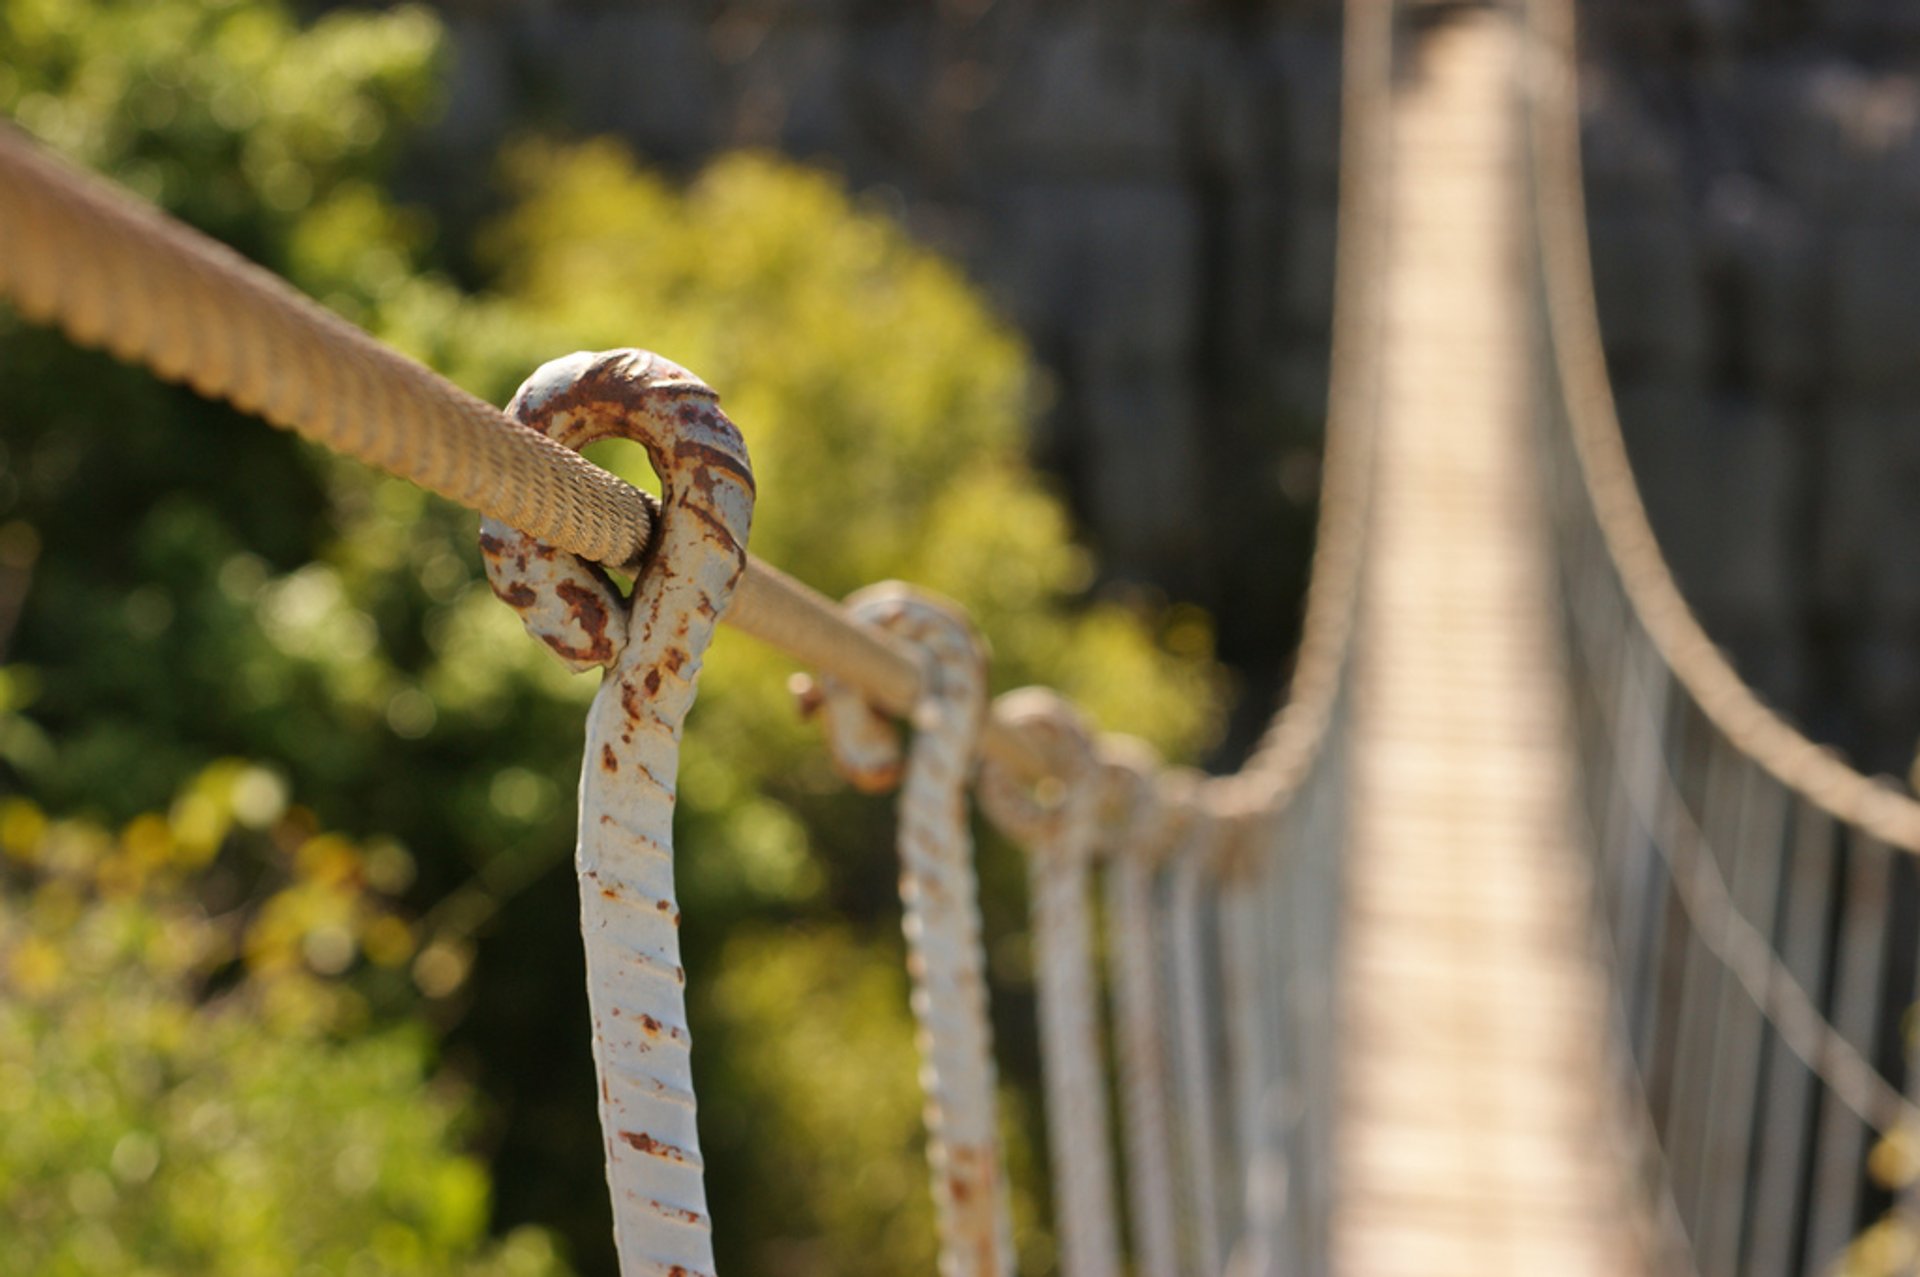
[{"x": 1025, "y": 302}]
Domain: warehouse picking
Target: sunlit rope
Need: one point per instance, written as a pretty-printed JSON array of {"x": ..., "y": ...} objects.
[
  {"x": 1723, "y": 696},
  {"x": 115, "y": 274},
  {"x": 119, "y": 275},
  {"x": 1815, "y": 776},
  {"x": 1754, "y": 731}
]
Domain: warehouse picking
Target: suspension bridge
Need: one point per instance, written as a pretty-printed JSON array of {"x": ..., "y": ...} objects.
[{"x": 1527, "y": 940}]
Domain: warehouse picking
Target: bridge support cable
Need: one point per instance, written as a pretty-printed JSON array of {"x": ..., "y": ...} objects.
[
  {"x": 939, "y": 893},
  {"x": 1058, "y": 836},
  {"x": 1755, "y": 883},
  {"x": 1195, "y": 1038},
  {"x": 650, "y": 648},
  {"x": 1236, "y": 910},
  {"x": 1136, "y": 838}
]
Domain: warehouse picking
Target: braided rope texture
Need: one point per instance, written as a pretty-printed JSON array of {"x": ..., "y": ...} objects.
[
  {"x": 118, "y": 275},
  {"x": 651, "y": 648}
]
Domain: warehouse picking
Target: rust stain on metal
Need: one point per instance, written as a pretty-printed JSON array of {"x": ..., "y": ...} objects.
[
  {"x": 679, "y": 1214},
  {"x": 939, "y": 894},
  {"x": 1055, "y": 822},
  {"x": 650, "y": 646},
  {"x": 644, "y": 1143},
  {"x": 1137, "y": 824},
  {"x": 590, "y": 614},
  {"x": 517, "y": 595}
]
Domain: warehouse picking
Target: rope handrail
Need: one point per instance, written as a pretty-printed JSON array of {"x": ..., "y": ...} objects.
[
  {"x": 1747, "y": 876},
  {"x": 1808, "y": 769},
  {"x": 116, "y": 274},
  {"x": 1296, "y": 736}
]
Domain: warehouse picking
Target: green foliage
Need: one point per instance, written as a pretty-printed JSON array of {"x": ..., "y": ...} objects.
[
  {"x": 885, "y": 408},
  {"x": 197, "y": 587},
  {"x": 886, "y": 411},
  {"x": 186, "y": 1084},
  {"x": 266, "y": 133}
]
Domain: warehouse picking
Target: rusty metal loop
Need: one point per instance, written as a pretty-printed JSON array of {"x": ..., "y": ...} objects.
[
  {"x": 1129, "y": 796},
  {"x": 1145, "y": 809},
  {"x": 569, "y": 602},
  {"x": 1038, "y": 812},
  {"x": 1055, "y": 822},
  {"x": 1179, "y": 793},
  {"x": 939, "y": 894},
  {"x": 1134, "y": 825},
  {"x": 651, "y": 646},
  {"x": 861, "y": 736}
]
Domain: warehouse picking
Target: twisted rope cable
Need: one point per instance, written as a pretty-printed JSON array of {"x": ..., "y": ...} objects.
[
  {"x": 118, "y": 275},
  {"x": 1579, "y": 359},
  {"x": 1284, "y": 758}
]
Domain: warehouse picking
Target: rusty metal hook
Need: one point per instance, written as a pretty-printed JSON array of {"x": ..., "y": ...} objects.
[
  {"x": 939, "y": 893},
  {"x": 650, "y": 645},
  {"x": 1056, "y": 821},
  {"x": 1135, "y": 827}
]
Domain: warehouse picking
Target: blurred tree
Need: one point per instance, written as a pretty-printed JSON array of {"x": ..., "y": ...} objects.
[
  {"x": 198, "y": 587},
  {"x": 185, "y": 1084}
]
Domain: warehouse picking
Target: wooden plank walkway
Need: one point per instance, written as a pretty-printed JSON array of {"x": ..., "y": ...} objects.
[{"x": 1474, "y": 1128}]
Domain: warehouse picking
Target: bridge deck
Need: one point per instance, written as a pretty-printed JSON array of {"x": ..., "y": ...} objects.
[{"x": 1472, "y": 1135}]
